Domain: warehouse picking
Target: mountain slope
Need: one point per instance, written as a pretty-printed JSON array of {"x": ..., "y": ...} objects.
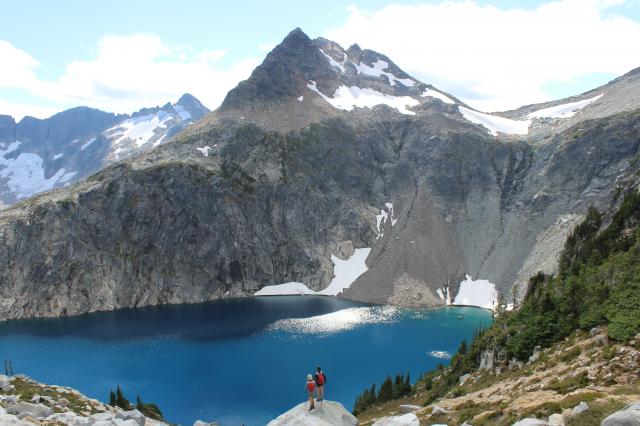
[
  {"x": 235, "y": 202},
  {"x": 38, "y": 155}
]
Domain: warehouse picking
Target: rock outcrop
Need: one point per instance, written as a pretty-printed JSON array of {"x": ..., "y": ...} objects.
[{"x": 327, "y": 413}]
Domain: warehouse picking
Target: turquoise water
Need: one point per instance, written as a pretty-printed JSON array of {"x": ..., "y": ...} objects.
[{"x": 239, "y": 361}]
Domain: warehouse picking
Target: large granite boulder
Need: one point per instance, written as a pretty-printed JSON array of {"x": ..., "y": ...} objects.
[
  {"x": 628, "y": 416},
  {"x": 37, "y": 411},
  {"x": 327, "y": 413}
]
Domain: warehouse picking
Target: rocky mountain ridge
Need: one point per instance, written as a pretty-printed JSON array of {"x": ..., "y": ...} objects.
[
  {"x": 236, "y": 202},
  {"x": 37, "y": 155}
]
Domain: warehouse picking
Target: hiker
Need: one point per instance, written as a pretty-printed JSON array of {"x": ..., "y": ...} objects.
[
  {"x": 320, "y": 380},
  {"x": 311, "y": 387}
]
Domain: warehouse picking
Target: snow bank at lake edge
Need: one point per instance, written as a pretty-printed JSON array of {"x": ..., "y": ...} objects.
[{"x": 345, "y": 272}]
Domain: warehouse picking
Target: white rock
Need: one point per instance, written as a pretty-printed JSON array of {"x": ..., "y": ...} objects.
[
  {"x": 409, "y": 419},
  {"x": 628, "y": 416},
  {"x": 328, "y": 413},
  {"x": 438, "y": 411},
  {"x": 201, "y": 423},
  {"x": 4, "y": 381},
  {"x": 556, "y": 420},
  {"x": 37, "y": 411},
  {"x": 134, "y": 415},
  {"x": 530, "y": 422},
  {"x": 579, "y": 409}
]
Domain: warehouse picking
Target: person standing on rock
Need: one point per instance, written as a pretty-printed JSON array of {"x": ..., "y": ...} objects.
[
  {"x": 320, "y": 380},
  {"x": 311, "y": 387}
]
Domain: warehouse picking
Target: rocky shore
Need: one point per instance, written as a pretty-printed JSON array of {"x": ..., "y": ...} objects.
[{"x": 26, "y": 402}]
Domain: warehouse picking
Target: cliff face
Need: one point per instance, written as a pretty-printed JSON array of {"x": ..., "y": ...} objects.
[{"x": 230, "y": 206}]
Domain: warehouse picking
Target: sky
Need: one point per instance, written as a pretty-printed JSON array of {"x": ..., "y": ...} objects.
[{"x": 120, "y": 56}]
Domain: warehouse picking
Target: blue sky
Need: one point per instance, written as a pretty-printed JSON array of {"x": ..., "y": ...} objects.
[{"x": 237, "y": 35}]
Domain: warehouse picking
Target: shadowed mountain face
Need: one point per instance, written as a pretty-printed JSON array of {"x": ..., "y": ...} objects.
[
  {"x": 235, "y": 203},
  {"x": 38, "y": 155}
]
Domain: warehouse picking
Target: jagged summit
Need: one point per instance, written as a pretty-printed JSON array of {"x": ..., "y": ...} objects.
[{"x": 303, "y": 80}]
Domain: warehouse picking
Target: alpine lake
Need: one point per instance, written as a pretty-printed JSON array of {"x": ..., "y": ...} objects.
[{"x": 236, "y": 361}]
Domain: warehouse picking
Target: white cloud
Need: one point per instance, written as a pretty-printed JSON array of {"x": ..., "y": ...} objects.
[
  {"x": 17, "y": 69},
  {"x": 502, "y": 57},
  {"x": 130, "y": 72}
]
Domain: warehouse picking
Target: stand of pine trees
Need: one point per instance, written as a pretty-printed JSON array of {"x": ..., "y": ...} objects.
[
  {"x": 390, "y": 389},
  {"x": 151, "y": 410}
]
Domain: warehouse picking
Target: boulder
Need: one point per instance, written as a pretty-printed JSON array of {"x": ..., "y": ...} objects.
[
  {"x": 409, "y": 408},
  {"x": 134, "y": 415},
  {"x": 530, "y": 421},
  {"x": 4, "y": 381},
  {"x": 408, "y": 419},
  {"x": 68, "y": 418},
  {"x": 487, "y": 358},
  {"x": 100, "y": 419},
  {"x": 601, "y": 340},
  {"x": 463, "y": 379},
  {"x": 201, "y": 423},
  {"x": 328, "y": 413},
  {"x": 556, "y": 420},
  {"x": 10, "y": 420},
  {"x": 37, "y": 411},
  {"x": 628, "y": 416},
  {"x": 438, "y": 411},
  {"x": 535, "y": 355},
  {"x": 579, "y": 409}
]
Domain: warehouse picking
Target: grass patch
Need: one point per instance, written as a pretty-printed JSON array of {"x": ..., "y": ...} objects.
[
  {"x": 570, "y": 354},
  {"x": 28, "y": 390},
  {"x": 597, "y": 412},
  {"x": 570, "y": 384}
]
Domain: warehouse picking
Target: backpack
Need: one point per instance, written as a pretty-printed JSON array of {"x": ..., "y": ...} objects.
[
  {"x": 311, "y": 386},
  {"x": 320, "y": 379}
]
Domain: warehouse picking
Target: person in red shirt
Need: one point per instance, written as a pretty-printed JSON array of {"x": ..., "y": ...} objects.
[
  {"x": 320, "y": 379},
  {"x": 311, "y": 387}
]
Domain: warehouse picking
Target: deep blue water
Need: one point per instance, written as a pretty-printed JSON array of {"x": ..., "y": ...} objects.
[{"x": 235, "y": 361}]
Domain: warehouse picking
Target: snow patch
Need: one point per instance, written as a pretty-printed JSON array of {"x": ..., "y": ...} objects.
[
  {"x": 87, "y": 143},
  {"x": 393, "y": 219},
  {"x": 139, "y": 130},
  {"x": 564, "y": 110},
  {"x": 335, "y": 322},
  {"x": 333, "y": 62},
  {"x": 204, "y": 150},
  {"x": 183, "y": 113},
  {"x": 25, "y": 173},
  {"x": 300, "y": 98},
  {"x": 345, "y": 272},
  {"x": 479, "y": 293},
  {"x": 58, "y": 156},
  {"x": 286, "y": 289},
  {"x": 435, "y": 94},
  {"x": 346, "y": 98},
  {"x": 496, "y": 124},
  {"x": 377, "y": 69}
]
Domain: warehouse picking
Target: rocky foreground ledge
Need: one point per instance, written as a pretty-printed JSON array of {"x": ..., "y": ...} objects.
[
  {"x": 25, "y": 402},
  {"x": 330, "y": 413}
]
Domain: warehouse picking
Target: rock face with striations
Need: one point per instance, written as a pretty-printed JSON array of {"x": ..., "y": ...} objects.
[{"x": 295, "y": 166}]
